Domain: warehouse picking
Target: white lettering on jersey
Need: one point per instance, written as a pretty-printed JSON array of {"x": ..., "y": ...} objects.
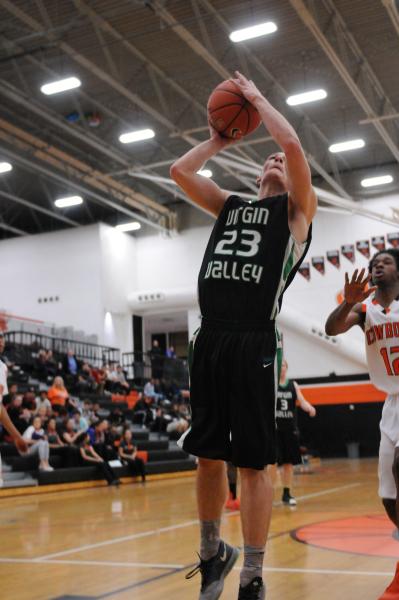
[
  {"x": 250, "y": 215},
  {"x": 381, "y": 329},
  {"x": 218, "y": 269}
]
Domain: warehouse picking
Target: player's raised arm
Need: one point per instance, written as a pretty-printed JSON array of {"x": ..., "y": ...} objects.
[
  {"x": 203, "y": 191},
  {"x": 349, "y": 313},
  {"x": 303, "y": 201}
]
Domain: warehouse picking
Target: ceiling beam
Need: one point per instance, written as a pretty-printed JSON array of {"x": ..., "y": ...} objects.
[
  {"x": 37, "y": 208},
  {"x": 12, "y": 229},
  {"x": 341, "y": 64},
  {"x": 213, "y": 62}
]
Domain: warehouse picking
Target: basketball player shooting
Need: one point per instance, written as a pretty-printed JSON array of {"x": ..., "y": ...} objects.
[
  {"x": 252, "y": 256},
  {"x": 376, "y": 311},
  {"x": 5, "y": 420}
]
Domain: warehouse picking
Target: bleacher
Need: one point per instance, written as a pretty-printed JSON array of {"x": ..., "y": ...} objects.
[{"x": 162, "y": 454}]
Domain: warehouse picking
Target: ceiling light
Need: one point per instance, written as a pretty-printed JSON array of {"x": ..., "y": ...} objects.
[
  {"x": 132, "y": 226},
  {"x": 136, "y": 136},
  {"x": 205, "y": 173},
  {"x": 69, "y": 201},
  {"x": 5, "y": 167},
  {"x": 305, "y": 97},
  {"x": 55, "y": 87},
  {"x": 253, "y": 32},
  {"x": 379, "y": 180},
  {"x": 349, "y": 145}
]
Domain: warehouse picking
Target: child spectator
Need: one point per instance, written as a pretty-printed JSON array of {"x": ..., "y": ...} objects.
[
  {"x": 128, "y": 455},
  {"x": 53, "y": 438},
  {"x": 42, "y": 400}
]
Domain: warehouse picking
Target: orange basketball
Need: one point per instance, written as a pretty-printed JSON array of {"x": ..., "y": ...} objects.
[{"x": 230, "y": 113}]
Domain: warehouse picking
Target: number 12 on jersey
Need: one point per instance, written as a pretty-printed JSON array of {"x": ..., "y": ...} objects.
[{"x": 391, "y": 364}]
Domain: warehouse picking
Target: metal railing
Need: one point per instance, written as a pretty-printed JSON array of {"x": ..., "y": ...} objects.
[
  {"x": 142, "y": 366},
  {"x": 95, "y": 354}
]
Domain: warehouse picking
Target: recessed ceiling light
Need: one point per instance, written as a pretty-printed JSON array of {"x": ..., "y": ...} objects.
[
  {"x": 5, "y": 167},
  {"x": 132, "y": 226},
  {"x": 68, "y": 201},
  {"x": 55, "y": 87},
  {"x": 378, "y": 180},
  {"x": 348, "y": 145},
  {"x": 305, "y": 97},
  {"x": 205, "y": 173},
  {"x": 136, "y": 136},
  {"x": 248, "y": 33}
]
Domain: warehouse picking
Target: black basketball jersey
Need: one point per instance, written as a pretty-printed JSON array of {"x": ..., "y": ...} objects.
[
  {"x": 286, "y": 406},
  {"x": 250, "y": 260}
]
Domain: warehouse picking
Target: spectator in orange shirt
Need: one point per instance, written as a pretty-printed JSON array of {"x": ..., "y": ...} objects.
[{"x": 58, "y": 394}]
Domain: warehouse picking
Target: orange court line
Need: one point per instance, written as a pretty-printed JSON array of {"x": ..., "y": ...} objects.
[{"x": 352, "y": 393}]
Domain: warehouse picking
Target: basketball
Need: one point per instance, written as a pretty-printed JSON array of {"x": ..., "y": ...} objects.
[{"x": 230, "y": 113}]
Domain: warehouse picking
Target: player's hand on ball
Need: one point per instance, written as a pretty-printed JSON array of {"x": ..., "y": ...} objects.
[
  {"x": 247, "y": 87},
  {"x": 21, "y": 445},
  {"x": 221, "y": 140},
  {"x": 355, "y": 289}
]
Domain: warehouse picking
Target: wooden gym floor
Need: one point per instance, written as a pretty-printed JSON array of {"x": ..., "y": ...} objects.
[{"x": 137, "y": 542}]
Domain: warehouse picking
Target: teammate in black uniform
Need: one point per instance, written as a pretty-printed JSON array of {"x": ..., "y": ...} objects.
[
  {"x": 288, "y": 452},
  {"x": 252, "y": 256}
]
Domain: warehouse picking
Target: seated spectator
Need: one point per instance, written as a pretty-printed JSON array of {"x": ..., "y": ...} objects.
[
  {"x": 53, "y": 438},
  {"x": 42, "y": 400},
  {"x": 90, "y": 456},
  {"x": 29, "y": 400},
  {"x": 20, "y": 417},
  {"x": 40, "y": 365},
  {"x": 86, "y": 381},
  {"x": 52, "y": 366},
  {"x": 100, "y": 377},
  {"x": 70, "y": 434},
  {"x": 58, "y": 393},
  {"x": 150, "y": 391},
  {"x": 128, "y": 455},
  {"x": 38, "y": 445},
  {"x": 161, "y": 422},
  {"x": 144, "y": 412},
  {"x": 179, "y": 422},
  {"x": 44, "y": 415},
  {"x": 116, "y": 381},
  {"x": 80, "y": 423}
]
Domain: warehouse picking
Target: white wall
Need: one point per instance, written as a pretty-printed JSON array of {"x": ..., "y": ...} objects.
[
  {"x": 64, "y": 264},
  {"x": 94, "y": 270}
]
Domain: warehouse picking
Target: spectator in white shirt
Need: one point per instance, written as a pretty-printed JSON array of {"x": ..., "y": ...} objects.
[{"x": 38, "y": 444}]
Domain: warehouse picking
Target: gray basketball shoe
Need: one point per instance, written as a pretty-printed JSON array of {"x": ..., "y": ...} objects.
[{"x": 214, "y": 571}]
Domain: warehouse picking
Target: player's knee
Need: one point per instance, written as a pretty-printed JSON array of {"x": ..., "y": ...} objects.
[
  {"x": 211, "y": 465},
  {"x": 253, "y": 474}
]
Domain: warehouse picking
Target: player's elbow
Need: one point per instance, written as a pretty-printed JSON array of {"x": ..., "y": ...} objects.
[{"x": 175, "y": 171}]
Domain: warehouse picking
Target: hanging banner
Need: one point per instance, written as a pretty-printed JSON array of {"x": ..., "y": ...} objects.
[
  {"x": 348, "y": 250},
  {"x": 334, "y": 258},
  {"x": 363, "y": 246},
  {"x": 393, "y": 239},
  {"x": 319, "y": 264},
  {"x": 378, "y": 242},
  {"x": 304, "y": 270}
]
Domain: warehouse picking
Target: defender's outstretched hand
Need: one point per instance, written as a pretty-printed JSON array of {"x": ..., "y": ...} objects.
[{"x": 355, "y": 289}]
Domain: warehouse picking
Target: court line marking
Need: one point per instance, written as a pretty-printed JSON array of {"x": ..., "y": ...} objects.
[
  {"x": 175, "y": 567},
  {"x": 143, "y": 534}
]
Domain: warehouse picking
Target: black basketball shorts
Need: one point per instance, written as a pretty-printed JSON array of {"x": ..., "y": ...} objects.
[
  {"x": 288, "y": 451},
  {"x": 233, "y": 388}
]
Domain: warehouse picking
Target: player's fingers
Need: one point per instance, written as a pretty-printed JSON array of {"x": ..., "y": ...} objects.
[
  {"x": 354, "y": 277},
  {"x": 370, "y": 291},
  {"x": 346, "y": 279},
  {"x": 366, "y": 280},
  {"x": 361, "y": 275}
]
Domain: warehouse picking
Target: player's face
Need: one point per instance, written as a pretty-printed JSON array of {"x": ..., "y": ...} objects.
[
  {"x": 283, "y": 370},
  {"x": 384, "y": 270},
  {"x": 275, "y": 170}
]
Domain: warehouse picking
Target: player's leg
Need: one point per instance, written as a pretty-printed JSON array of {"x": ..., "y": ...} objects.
[
  {"x": 388, "y": 473},
  {"x": 256, "y": 509},
  {"x": 211, "y": 496},
  {"x": 233, "y": 502},
  {"x": 287, "y": 476}
]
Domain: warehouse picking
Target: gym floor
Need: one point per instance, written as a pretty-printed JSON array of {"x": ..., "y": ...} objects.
[{"x": 138, "y": 542}]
